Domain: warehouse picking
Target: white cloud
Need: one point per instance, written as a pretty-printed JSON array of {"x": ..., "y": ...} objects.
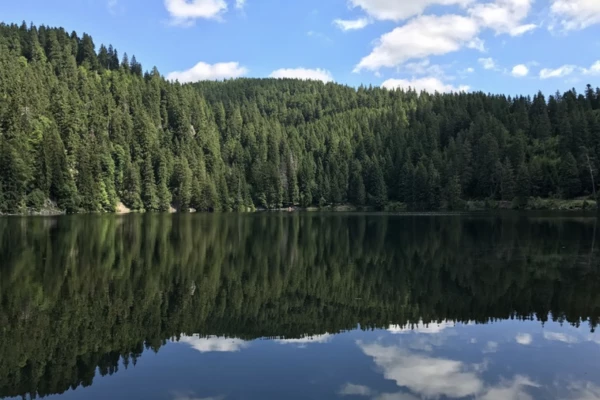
[
  {"x": 520, "y": 71},
  {"x": 559, "y": 72},
  {"x": 593, "y": 70},
  {"x": 427, "y": 84},
  {"x": 421, "y": 327},
  {"x": 504, "y": 16},
  {"x": 203, "y": 72},
  {"x": 307, "y": 339},
  {"x": 583, "y": 391},
  {"x": 213, "y": 343},
  {"x": 511, "y": 390},
  {"x": 350, "y": 389},
  {"x": 421, "y": 37},
  {"x": 397, "y": 10},
  {"x": 477, "y": 44},
  {"x": 487, "y": 63},
  {"x": 576, "y": 14},
  {"x": 184, "y": 12},
  {"x": 428, "y": 376},
  {"x": 524, "y": 338},
  {"x": 560, "y": 337},
  {"x": 303, "y": 73},
  {"x": 469, "y": 70},
  {"x": 351, "y": 24},
  {"x": 240, "y": 4}
]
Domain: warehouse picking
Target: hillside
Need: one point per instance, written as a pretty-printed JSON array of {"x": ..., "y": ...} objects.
[{"x": 86, "y": 129}]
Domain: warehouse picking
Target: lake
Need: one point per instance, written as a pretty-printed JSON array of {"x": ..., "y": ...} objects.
[{"x": 300, "y": 306}]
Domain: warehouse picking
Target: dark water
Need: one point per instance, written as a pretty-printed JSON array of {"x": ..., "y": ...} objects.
[{"x": 279, "y": 306}]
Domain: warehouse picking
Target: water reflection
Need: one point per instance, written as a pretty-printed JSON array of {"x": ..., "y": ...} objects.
[{"x": 361, "y": 306}]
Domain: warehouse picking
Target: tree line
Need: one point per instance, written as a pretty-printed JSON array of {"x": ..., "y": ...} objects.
[
  {"x": 98, "y": 291},
  {"x": 87, "y": 128}
]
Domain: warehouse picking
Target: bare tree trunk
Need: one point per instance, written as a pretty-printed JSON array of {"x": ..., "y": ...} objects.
[{"x": 593, "y": 182}]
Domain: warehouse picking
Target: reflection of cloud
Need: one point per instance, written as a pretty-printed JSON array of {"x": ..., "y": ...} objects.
[
  {"x": 524, "y": 339},
  {"x": 350, "y": 389},
  {"x": 421, "y": 327},
  {"x": 584, "y": 391},
  {"x": 428, "y": 376},
  {"x": 491, "y": 347},
  {"x": 214, "y": 343},
  {"x": 560, "y": 337},
  {"x": 307, "y": 339},
  {"x": 510, "y": 390}
]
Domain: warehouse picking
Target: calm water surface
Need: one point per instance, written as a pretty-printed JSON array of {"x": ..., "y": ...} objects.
[{"x": 273, "y": 306}]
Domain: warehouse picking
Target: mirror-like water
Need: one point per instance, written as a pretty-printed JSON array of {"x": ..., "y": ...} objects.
[{"x": 300, "y": 306}]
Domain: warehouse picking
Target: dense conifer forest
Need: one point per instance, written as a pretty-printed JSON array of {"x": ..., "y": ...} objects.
[{"x": 86, "y": 127}]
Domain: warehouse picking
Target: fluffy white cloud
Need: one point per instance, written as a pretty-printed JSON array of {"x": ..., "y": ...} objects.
[
  {"x": 487, "y": 63},
  {"x": 350, "y": 389},
  {"x": 559, "y": 72},
  {"x": 524, "y": 338},
  {"x": 510, "y": 390},
  {"x": 520, "y": 71},
  {"x": 184, "y": 12},
  {"x": 593, "y": 70},
  {"x": 307, "y": 339},
  {"x": 504, "y": 16},
  {"x": 576, "y": 14},
  {"x": 213, "y": 343},
  {"x": 581, "y": 390},
  {"x": 303, "y": 73},
  {"x": 560, "y": 337},
  {"x": 397, "y": 10},
  {"x": 427, "y": 84},
  {"x": 239, "y": 4},
  {"x": 421, "y": 37},
  {"x": 469, "y": 70},
  {"x": 203, "y": 72},
  {"x": 428, "y": 376},
  {"x": 351, "y": 24}
]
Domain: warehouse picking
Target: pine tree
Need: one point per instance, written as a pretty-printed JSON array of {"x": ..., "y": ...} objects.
[
  {"x": 422, "y": 192},
  {"x": 523, "y": 182},
  {"x": 507, "y": 184},
  {"x": 356, "y": 191},
  {"x": 131, "y": 195},
  {"x": 570, "y": 184},
  {"x": 453, "y": 192},
  {"x": 148, "y": 194}
]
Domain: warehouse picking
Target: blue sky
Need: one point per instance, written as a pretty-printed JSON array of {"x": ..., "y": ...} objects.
[{"x": 499, "y": 46}]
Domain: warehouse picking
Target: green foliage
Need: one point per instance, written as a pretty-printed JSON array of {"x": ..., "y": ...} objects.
[{"x": 88, "y": 130}]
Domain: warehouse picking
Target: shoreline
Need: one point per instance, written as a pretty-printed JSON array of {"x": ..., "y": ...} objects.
[{"x": 471, "y": 206}]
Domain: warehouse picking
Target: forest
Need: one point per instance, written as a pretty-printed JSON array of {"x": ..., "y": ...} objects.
[
  {"x": 85, "y": 129},
  {"x": 101, "y": 289}
]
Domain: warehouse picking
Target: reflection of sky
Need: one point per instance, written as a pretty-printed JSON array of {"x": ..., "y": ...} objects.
[{"x": 508, "y": 360}]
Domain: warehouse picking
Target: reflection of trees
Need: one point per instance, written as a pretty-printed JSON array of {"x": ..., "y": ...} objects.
[{"x": 84, "y": 292}]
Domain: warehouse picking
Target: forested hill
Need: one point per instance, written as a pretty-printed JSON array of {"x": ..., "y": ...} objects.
[{"x": 86, "y": 128}]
